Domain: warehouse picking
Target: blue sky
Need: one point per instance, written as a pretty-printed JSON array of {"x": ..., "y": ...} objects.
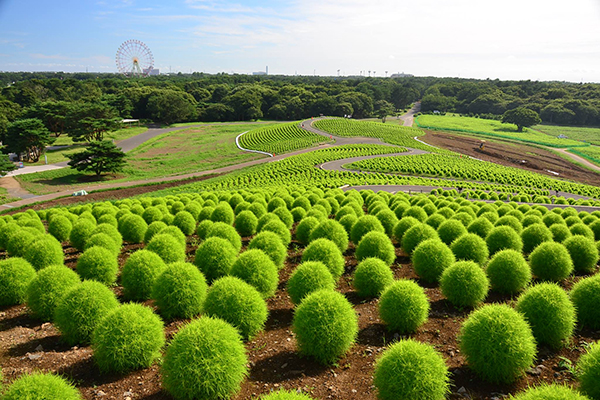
[{"x": 509, "y": 39}]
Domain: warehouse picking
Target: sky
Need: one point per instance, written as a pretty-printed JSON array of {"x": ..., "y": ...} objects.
[{"x": 507, "y": 39}]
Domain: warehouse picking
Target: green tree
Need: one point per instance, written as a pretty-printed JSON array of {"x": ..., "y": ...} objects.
[
  {"x": 384, "y": 108},
  {"x": 52, "y": 114},
  {"x": 27, "y": 136},
  {"x": 6, "y": 165},
  {"x": 169, "y": 106},
  {"x": 99, "y": 157},
  {"x": 90, "y": 121},
  {"x": 521, "y": 117}
]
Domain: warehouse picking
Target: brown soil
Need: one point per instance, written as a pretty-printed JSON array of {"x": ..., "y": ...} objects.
[
  {"x": 27, "y": 345},
  {"x": 521, "y": 155}
]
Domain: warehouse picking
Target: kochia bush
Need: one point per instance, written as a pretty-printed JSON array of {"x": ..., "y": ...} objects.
[
  {"x": 551, "y": 261},
  {"x": 82, "y": 229},
  {"x": 325, "y": 325},
  {"x": 185, "y": 221},
  {"x": 325, "y": 251},
  {"x": 464, "y": 284},
  {"x": 470, "y": 247},
  {"x": 129, "y": 337},
  {"x": 256, "y": 268},
  {"x": 431, "y": 258},
  {"x": 550, "y": 313},
  {"x": 60, "y": 227},
  {"x": 214, "y": 257},
  {"x": 376, "y": 244},
  {"x": 586, "y": 297},
  {"x": 272, "y": 245},
  {"x": 44, "y": 251},
  {"x": 497, "y": 343},
  {"x": 371, "y": 277},
  {"x": 589, "y": 371},
  {"x": 364, "y": 225},
  {"x": 508, "y": 272},
  {"x": 99, "y": 264},
  {"x": 305, "y": 229},
  {"x": 410, "y": 370},
  {"x": 41, "y": 386},
  {"x": 81, "y": 309},
  {"x": 309, "y": 277},
  {"x": 140, "y": 272},
  {"x": 583, "y": 252},
  {"x": 332, "y": 230},
  {"x": 502, "y": 238},
  {"x": 415, "y": 235},
  {"x": 550, "y": 392},
  {"x": 133, "y": 228},
  {"x": 47, "y": 288},
  {"x": 534, "y": 235},
  {"x": 246, "y": 223},
  {"x": 238, "y": 303},
  {"x": 403, "y": 306},
  {"x": 15, "y": 276},
  {"x": 205, "y": 360},
  {"x": 451, "y": 230},
  {"x": 167, "y": 247},
  {"x": 179, "y": 291}
]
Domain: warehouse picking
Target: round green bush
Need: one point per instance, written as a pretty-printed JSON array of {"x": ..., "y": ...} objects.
[
  {"x": 179, "y": 291},
  {"x": 307, "y": 278},
  {"x": 417, "y": 234},
  {"x": 280, "y": 230},
  {"x": 403, "y": 306},
  {"x": 305, "y": 228},
  {"x": 152, "y": 214},
  {"x": 129, "y": 337},
  {"x": 298, "y": 213},
  {"x": 534, "y": 235},
  {"x": 139, "y": 273},
  {"x": 325, "y": 325},
  {"x": 325, "y": 251},
  {"x": 283, "y": 394},
  {"x": 153, "y": 229},
  {"x": 508, "y": 272},
  {"x": 176, "y": 233},
  {"x": 431, "y": 258},
  {"x": 348, "y": 222},
  {"x": 214, "y": 257},
  {"x": 133, "y": 228},
  {"x": 402, "y": 226},
  {"x": 275, "y": 203},
  {"x": 238, "y": 303},
  {"x": 265, "y": 219},
  {"x": 205, "y": 213},
  {"x": 80, "y": 310},
  {"x": 371, "y": 277},
  {"x": 60, "y": 227},
  {"x": 185, "y": 221},
  {"x": 19, "y": 241},
  {"x": 167, "y": 247},
  {"x": 589, "y": 371},
  {"x": 509, "y": 220},
  {"x": 583, "y": 230},
  {"x": 47, "y": 288},
  {"x": 416, "y": 212},
  {"x": 332, "y": 230},
  {"x": 410, "y": 370},
  {"x": 502, "y": 238},
  {"x": 205, "y": 360},
  {"x": 15, "y": 276},
  {"x": 464, "y": 284},
  {"x": 81, "y": 231},
  {"x": 451, "y": 230},
  {"x": 560, "y": 232},
  {"x": 470, "y": 247},
  {"x": 99, "y": 264},
  {"x": 364, "y": 225},
  {"x": 550, "y": 313},
  {"x": 285, "y": 216},
  {"x": 223, "y": 213},
  {"x": 552, "y": 218},
  {"x": 39, "y": 386},
  {"x": 551, "y": 261},
  {"x": 203, "y": 228},
  {"x": 497, "y": 343},
  {"x": 272, "y": 245},
  {"x": 434, "y": 221},
  {"x": 464, "y": 217},
  {"x": 388, "y": 219},
  {"x": 256, "y": 268},
  {"x": 345, "y": 210},
  {"x": 549, "y": 392},
  {"x": 583, "y": 252},
  {"x": 595, "y": 227},
  {"x": 586, "y": 297},
  {"x": 6, "y": 231},
  {"x": 302, "y": 202},
  {"x": 376, "y": 244},
  {"x": 105, "y": 241},
  {"x": 246, "y": 223},
  {"x": 44, "y": 251}
]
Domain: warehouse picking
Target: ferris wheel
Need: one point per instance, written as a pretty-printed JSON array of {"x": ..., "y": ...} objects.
[{"x": 134, "y": 58}]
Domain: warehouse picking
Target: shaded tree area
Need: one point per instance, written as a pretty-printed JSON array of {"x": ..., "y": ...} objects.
[{"x": 223, "y": 97}]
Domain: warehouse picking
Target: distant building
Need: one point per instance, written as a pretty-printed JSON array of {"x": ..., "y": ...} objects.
[
  {"x": 259, "y": 73},
  {"x": 152, "y": 71},
  {"x": 401, "y": 75},
  {"x": 561, "y": 136}
]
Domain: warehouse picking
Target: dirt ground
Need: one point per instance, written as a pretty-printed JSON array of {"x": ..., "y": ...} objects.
[
  {"x": 27, "y": 345},
  {"x": 513, "y": 155}
]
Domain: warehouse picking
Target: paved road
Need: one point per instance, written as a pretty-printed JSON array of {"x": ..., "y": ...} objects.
[
  {"x": 577, "y": 158},
  {"x": 409, "y": 117}
]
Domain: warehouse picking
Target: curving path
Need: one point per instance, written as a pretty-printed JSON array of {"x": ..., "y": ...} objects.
[
  {"x": 577, "y": 158},
  {"x": 306, "y": 124}
]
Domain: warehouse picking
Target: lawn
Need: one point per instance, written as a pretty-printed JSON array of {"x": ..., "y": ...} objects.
[
  {"x": 174, "y": 153},
  {"x": 584, "y": 134},
  {"x": 492, "y": 128}
]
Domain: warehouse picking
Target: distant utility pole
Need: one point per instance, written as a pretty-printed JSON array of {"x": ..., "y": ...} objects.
[
  {"x": 314, "y": 72},
  {"x": 386, "y": 74},
  {"x": 369, "y": 73},
  {"x": 338, "y": 72}
]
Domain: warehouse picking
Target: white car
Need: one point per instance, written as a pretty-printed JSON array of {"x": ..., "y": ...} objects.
[{"x": 80, "y": 193}]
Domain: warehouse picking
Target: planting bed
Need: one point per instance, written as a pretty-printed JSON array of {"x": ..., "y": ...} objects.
[{"x": 27, "y": 344}]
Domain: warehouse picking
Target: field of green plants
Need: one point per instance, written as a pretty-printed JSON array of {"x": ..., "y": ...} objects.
[
  {"x": 401, "y": 297},
  {"x": 492, "y": 128},
  {"x": 580, "y": 133},
  {"x": 280, "y": 139}
]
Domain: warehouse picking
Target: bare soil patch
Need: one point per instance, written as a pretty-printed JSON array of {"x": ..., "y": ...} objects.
[
  {"x": 514, "y": 155},
  {"x": 27, "y": 345}
]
